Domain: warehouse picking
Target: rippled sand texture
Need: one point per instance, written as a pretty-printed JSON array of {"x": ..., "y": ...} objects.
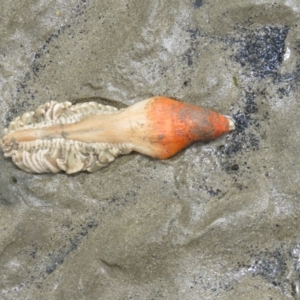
[{"x": 218, "y": 221}]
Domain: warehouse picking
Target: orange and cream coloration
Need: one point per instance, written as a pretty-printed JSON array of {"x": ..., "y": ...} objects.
[{"x": 88, "y": 136}]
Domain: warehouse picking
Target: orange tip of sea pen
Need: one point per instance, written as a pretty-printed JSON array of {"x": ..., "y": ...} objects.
[{"x": 176, "y": 125}]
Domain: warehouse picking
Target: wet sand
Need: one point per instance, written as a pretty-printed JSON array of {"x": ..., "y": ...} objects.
[{"x": 219, "y": 220}]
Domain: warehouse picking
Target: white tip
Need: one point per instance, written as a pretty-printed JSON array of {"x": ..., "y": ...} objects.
[{"x": 231, "y": 123}]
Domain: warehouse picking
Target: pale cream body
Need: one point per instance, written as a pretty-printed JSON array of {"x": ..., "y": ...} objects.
[{"x": 72, "y": 138}]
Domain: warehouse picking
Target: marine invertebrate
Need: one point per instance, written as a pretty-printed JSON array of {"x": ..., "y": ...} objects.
[{"x": 88, "y": 136}]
